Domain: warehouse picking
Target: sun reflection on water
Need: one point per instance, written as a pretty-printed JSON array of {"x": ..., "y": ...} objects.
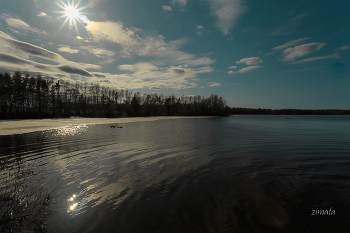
[
  {"x": 72, "y": 206},
  {"x": 71, "y": 130},
  {"x": 77, "y": 204}
]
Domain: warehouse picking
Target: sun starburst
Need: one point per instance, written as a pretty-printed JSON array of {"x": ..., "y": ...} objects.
[{"x": 72, "y": 13}]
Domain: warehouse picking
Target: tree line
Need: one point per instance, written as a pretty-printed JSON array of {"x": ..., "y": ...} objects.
[
  {"x": 25, "y": 96},
  {"x": 264, "y": 111}
]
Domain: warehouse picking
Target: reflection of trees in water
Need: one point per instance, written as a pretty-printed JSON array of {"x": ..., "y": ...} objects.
[{"x": 24, "y": 203}]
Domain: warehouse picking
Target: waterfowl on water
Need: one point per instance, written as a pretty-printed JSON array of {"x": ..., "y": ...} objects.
[{"x": 113, "y": 126}]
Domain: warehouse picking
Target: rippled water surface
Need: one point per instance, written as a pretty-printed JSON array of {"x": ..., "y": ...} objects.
[{"x": 232, "y": 174}]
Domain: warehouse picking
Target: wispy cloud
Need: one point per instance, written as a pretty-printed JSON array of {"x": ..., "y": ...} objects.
[
  {"x": 213, "y": 84},
  {"x": 112, "y": 31},
  {"x": 290, "y": 26},
  {"x": 67, "y": 49},
  {"x": 200, "y": 28},
  {"x": 286, "y": 45},
  {"x": 230, "y": 72},
  {"x": 302, "y": 70},
  {"x": 21, "y": 26},
  {"x": 98, "y": 52},
  {"x": 93, "y": 3},
  {"x": 345, "y": 47},
  {"x": 149, "y": 75},
  {"x": 301, "y": 50},
  {"x": 315, "y": 59},
  {"x": 139, "y": 75},
  {"x": 250, "y": 61},
  {"x": 167, "y": 8},
  {"x": 147, "y": 46},
  {"x": 227, "y": 13},
  {"x": 249, "y": 68},
  {"x": 179, "y": 2},
  {"x": 232, "y": 67}
]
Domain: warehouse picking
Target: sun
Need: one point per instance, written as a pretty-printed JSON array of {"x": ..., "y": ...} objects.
[{"x": 72, "y": 13}]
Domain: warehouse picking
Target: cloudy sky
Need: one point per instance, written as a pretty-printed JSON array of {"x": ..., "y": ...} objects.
[{"x": 267, "y": 54}]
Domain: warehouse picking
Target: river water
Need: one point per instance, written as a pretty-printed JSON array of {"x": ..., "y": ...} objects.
[{"x": 230, "y": 174}]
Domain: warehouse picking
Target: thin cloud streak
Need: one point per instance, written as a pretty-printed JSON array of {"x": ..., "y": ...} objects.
[
  {"x": 302, "y": 70},
  {"x": 315, "y": 59},
  {"x": 301, "y": 50},
  {"x": 250, "y": 61},
  {"x": 249, "y": 68},
  {"x": 213, "y": 84},
  {"x": 290, "y": 43}
]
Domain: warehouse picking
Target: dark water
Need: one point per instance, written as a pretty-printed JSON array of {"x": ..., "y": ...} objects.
[{"x": 233, "y": 174}]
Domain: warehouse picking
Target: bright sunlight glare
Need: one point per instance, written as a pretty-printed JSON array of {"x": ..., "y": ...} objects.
[{"x": 72, "y": 13}]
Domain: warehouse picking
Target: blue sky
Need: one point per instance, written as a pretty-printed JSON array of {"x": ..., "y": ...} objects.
[{"x": 267, "y": 54}]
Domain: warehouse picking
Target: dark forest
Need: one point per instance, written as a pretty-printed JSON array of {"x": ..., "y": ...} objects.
[{"x": 25, "y": 96}]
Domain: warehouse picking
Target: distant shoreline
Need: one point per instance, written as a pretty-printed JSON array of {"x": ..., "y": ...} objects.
[
  {"x": 20, "y": 126},
  {"x": 263, "y": 111}
]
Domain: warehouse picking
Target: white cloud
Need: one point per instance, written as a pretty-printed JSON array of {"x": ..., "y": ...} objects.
[
  {"x": 316, "y": 59},
  {"x": 301, "y": 50},
  {"x": 112, "y": 31},
  {"x": 230, "y": 72},
  {"x": 132, "y": 44},
  {"x": 249, "y": 68},
  {"x": 42, "y": 14},
  {"x": 136, "y": 76},
  {"x": 149, "y": 75},
  {"x": 232, "y": 67},
  {"x": 98, "y": 52},
  {"x": 167, "y": 8},
  {"x": 179, "y": 2},
  {"x": 22, "y": 26},
  {"x": 212, "y": 84},
  {"x": 79, "y": 38},
  {"x": 250, "y": 61},
  {"x": 227, "y": 13},
  {"x": 67, "y": 49}
]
